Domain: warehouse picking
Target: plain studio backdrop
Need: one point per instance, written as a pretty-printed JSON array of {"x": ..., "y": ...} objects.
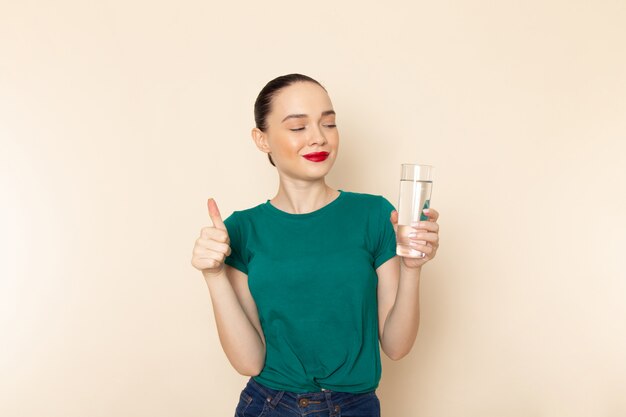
[{"x": 119, "y": 119}]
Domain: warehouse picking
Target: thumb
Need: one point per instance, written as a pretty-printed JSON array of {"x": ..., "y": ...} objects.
[
  {"x": 394, "y": 220},
  {"x": 214, "y": 214}
]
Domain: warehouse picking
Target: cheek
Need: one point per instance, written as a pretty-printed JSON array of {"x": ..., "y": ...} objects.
[
  {"x": 287, "y": 145},
  {"x": 333, "y": 139}
]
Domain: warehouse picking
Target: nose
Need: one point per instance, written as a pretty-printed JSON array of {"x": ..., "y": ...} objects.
[{"x": 317, "y": 137}]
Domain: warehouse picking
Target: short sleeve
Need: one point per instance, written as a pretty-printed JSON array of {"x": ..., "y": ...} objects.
[
  {"x": 236, "y": 259},
  {"x": 386, "y": 241}
]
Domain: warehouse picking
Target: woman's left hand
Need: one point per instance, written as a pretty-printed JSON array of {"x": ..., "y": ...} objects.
[{"x": 426, "y": 239}]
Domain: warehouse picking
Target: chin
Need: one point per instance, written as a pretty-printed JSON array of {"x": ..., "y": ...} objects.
[
  {"x": 308, "y": 171},
  {"x": 322, "y": 170}
]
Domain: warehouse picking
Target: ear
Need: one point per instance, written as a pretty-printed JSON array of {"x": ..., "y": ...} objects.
[{"x": 260, "y": 139}]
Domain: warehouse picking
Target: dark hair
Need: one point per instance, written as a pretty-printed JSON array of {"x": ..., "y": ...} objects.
[{"x": 263, "y": 103}]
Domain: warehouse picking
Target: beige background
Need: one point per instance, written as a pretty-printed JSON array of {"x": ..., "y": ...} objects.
[{"x": 119, "y": 119}]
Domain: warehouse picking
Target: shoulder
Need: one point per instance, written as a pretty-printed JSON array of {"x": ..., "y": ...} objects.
[
  {"x": 240, "y": 218},
  {"x": 372, "y": 201}
]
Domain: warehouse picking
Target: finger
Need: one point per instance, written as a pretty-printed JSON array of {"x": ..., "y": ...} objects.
[
  {"x": 218, "y": 257},
  {"x": 211, "y": 245},
  {"x": 211, "y": 233},
  {"x": 432, "y": 214},
  {"x": 427, "y": 237},
  {"x": 426, "y": 225},
  {"x": 202, "y": 261},
  {"x": 422, "y": 248},
  {"x": 214, "y": 214},
  {"x": 205, "y": 263}
]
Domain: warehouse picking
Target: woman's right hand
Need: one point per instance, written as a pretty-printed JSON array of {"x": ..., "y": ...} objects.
[{"x": 213, "y": 245}]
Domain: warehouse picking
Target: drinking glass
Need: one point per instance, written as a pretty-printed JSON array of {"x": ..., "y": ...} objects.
[{"x": 416, "y": 183}]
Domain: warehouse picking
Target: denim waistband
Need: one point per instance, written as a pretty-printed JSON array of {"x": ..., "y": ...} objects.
[
  {"x": 270, "y": 392},
  {"x": 307, "y": 403},
  {"x": 301, "y": 404}
]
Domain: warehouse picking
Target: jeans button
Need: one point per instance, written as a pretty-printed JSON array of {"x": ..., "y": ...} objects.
[{"x": 303, "y": 402}]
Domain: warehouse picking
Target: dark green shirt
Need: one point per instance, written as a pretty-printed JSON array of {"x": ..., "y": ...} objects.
[{"x": 313, "y": 278}]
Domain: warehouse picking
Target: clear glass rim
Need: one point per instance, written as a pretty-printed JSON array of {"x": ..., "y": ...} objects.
[
  {"x": 418, "y": 165},
  {"x": 416, "y": 172}
]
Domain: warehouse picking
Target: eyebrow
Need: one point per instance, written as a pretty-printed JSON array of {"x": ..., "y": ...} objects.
[{"x": 301, "y": 116}]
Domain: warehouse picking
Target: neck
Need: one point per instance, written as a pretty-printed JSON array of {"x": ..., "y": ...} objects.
[{"x": 303, "y": 197}]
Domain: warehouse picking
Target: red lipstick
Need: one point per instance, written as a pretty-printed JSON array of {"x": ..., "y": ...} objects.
[{"x": 316, "y": 156}]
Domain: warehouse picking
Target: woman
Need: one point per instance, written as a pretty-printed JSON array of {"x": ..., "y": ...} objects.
[{"x": 306, "y": 285}]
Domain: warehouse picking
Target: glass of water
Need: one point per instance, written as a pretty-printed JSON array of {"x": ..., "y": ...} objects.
[{"x": 416, "y": 183}]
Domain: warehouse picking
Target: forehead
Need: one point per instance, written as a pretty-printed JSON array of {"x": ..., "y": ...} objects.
[{"x": 301, "y": 98}]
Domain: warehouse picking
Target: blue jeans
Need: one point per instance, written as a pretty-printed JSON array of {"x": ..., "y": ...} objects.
[{"x": 257, "y": 400}]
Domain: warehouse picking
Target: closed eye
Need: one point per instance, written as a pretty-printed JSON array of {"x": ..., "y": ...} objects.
[{"x": 297, "y": 129}]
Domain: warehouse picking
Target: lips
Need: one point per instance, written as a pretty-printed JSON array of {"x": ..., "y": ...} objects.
[{"x": 316, "y": 156}]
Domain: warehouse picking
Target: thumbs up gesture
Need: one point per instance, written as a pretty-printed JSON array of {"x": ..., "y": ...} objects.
[{"x": 213, "y": 245}]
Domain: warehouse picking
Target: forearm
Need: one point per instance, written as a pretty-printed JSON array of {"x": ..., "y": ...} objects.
[
  {"x": 402, "y": 323},
  {"x": 240, "y": 340}
]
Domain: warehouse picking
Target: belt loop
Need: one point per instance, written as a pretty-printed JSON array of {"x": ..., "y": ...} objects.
[
  {"x": 274, "y": 401},
  {"x": 332, "y": 410}
]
